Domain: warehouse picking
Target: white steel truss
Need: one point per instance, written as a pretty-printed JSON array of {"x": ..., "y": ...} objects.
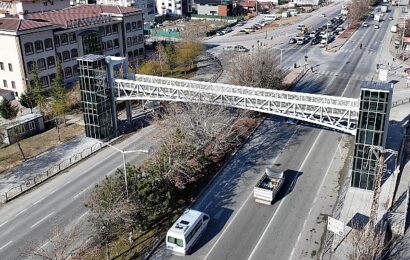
[{"x": 338, "y": 113}]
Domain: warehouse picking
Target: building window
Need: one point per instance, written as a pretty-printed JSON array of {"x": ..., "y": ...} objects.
[
  {"x": 108, "y": 29},
  {"x": 74, "y": 54},
  {"x": 140, "y": 38},
  {"x": 117, "y": 54},
  {"x": 139, "y": 25},
  {"x": 73, "y": 37},
  {"x": 45, "y": 3},
  {"x": 102, "y": 30},
  {"x": 56, "y": 40},
  {"x": 128, "y": 27},
  {"x": 49, "y": 44},
  {"x": 134, "y": 40},
  {"x": 52, "y": 77},
  {"x": 66, "y": 55},
  {"x": 75, "y": 70},
  {"x": 115, "y": 28},
  {"x": 10, "y": 67},
  {"x": 68, "y": 73},
  {"x": 51, "y": 62},
  {"x": 130, "y": 55},
  {"x": 141, "y": 51},
  {"x": 116, "y": 43},
  {"x": 64, "y": 39},
  {"x": 104, "y": 46},
  {"x": 39, "y": 46},
  {"x": 136, "y": 53},
  {"x": 1, "y": 66},
  {"x": 129, "y": 41},
  {"x": 28, "y": 48},
  {"x": 13, "y": 84},
  {"x": 5, "y": 83},
  {"x": 44, "y": 81},
  {"x": 134, "y": 26},
  {"x": 31, "y": 125},
  {"x": 19, "y": 129},
  {"x": 109, "y": 45},
  {"x": 41, "y": 64},
  {"x": 30, "y": 66}
]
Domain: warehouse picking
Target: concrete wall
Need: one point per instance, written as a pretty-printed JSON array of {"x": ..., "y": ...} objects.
[
  {"x": 38, "y": 128},
  {"x": 207, "y": 9}
]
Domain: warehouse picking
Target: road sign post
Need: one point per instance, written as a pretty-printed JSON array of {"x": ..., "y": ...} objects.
[{"x": 335, "y": 226}]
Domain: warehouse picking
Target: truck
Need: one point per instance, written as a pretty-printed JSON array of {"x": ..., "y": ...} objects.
[
  {"x": 268, "y": 186},
  {"x": 393, "y": 29},
  {"x": 377, "y": 17},
  {"x": 383, "y": 9}
]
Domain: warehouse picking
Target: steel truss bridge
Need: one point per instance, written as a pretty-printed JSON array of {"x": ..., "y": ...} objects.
[{"x": 338, "y": 113}]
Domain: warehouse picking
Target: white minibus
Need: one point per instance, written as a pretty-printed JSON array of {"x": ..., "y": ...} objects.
[{"x": 183, "y": 234}]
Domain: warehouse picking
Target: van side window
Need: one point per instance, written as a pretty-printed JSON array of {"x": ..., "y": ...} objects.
[
  {"x": 193, "y": 231},
  {"x": 176, "y": 241}
]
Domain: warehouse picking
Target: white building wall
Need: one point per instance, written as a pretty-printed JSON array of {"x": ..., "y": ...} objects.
[
  {"x": 38, "y": 6},
  {"x": 170, "y": 7},
  {"x": 11, "y": 55},
  {"x": 135, "y": 47},
  {"x": 307, "y": 2},
  {"x": 148, "y": 6}
]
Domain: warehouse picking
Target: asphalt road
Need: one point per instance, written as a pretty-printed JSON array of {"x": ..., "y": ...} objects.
[
  {"x": 242, "y": 229},
  {"x": 61, "y": 200}
]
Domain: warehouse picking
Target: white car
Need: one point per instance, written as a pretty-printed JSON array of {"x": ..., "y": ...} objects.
[
  {"x": 376, "y": 26},
  {"x": 390, "y": 17},
  {"x": 365, "y": 25}
]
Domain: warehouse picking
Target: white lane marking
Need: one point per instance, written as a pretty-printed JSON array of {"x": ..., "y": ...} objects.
[
  {"x": 315, "y": 199},
  {"x": 40, "y": 200},
  {"x": 4, "y": 223},
  {"x": 281, "y": 202},
  {"x": 19, "y": 213},
  {"x": 41, "y": 220},
  {"x": 81, "y": 192},
  {"x": 8, "y": 243},
  {"x": 83, "y": 215},
  {"x": 239, "y": 210}
]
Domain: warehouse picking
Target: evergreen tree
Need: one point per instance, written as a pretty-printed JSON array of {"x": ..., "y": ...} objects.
[
  {"x": 36, "y": 90},
  {"x": 28, "y": 100},
  {"x": 7, "y": 111}
]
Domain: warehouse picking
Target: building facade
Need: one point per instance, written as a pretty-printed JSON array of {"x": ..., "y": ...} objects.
[
  {"x": 174, "y": 7},
  {"x": 15, "y": 7},
  {"x": 39, "y": 39},
  {"x": 375, "y": 103},
  {"x": 148, "y": 6}
]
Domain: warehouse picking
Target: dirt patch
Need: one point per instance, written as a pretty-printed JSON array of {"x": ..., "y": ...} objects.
[{"x": 10, "y": 156}]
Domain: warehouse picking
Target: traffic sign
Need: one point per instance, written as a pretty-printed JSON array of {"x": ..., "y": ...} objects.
[{"x": 335, "y": 226}]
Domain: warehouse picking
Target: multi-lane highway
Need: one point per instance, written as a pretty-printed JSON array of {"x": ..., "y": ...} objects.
[
  {"x": 312, "y": 158},
  {"x": 61, "y": 200}
]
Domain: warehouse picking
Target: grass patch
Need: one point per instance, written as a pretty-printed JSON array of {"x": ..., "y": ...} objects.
[{"x": 10, "y": 156}]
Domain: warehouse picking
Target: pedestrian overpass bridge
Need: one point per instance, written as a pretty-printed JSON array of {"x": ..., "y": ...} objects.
[{"x": 337, "y": 113}]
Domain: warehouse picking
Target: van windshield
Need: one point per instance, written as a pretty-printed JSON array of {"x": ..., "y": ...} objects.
[{"x": 176, "y": 241}]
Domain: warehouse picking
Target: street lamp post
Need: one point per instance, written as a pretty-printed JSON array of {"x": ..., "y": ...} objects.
[{"x": 124, "y": 162}]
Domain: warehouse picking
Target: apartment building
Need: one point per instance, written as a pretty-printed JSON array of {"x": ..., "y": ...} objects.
[
  {"x": 174, "y": 7},
  {"x": 14, "y": 7},
  {"x": 148, "y": 6},
  {"x": 43, "y": 37}
]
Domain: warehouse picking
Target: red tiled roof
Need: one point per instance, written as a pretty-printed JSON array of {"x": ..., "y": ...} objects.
[
  {"x": 247, "y": 4},
  {"x": 15, "y": 24},
  {"x": 63, "y": 16}
]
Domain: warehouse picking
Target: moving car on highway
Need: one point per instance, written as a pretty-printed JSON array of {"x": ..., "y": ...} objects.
[
  {"x": 292, "y": 41},
  {"x": 183, "y": 234}
]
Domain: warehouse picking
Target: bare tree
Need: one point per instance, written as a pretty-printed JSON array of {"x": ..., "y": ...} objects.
[
  {"x": 17, "y": 136},
  {"x": 259, "y": 69},
  {"x": 358, "y": 10},
  {"x": 58, "y": 246}
]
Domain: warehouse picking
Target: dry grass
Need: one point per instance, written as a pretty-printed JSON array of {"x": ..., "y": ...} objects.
[
  {"x": 282, "y": 22},
  {"x": 35, "y": 145}
]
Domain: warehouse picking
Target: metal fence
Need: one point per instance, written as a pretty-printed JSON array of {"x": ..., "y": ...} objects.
[
  {"x": 52, "y": 171},
  {"x": 400, "y": 102}
]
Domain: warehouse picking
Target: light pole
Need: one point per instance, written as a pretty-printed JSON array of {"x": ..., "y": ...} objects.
[
  {"x": 124, "y": 162},
  {"x": 281, "y": 54}
]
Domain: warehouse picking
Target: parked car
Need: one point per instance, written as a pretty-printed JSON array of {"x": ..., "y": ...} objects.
[
  {"x": 257, "y": 26},
  {"x": 365, "y": 24},
  {"x": 376, "y": 26},
  {"x": 219, "y": 33},
  {"x": 390, "y": 18},
  {"x": 312, "y": 34},
  {"x": 240, "y": 48},
  {"x": 323, "y": 14},
  {"x": 315, "y": 41},
  {"x": 292, "y": 40}
]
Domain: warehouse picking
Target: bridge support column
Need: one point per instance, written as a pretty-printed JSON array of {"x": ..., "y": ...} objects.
[
  {"x": 372, "y": 126},
  {"x": 129, "y": 111}
]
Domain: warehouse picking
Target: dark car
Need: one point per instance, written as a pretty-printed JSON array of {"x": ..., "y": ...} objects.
[
  {"x": 315, "y": 41},
  {"x": 292, "y": 40}
]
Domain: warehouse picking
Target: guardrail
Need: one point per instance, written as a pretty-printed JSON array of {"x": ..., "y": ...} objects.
[
  {"x": 52, "y": 171},
  {"x": 400, "y": 102}
]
